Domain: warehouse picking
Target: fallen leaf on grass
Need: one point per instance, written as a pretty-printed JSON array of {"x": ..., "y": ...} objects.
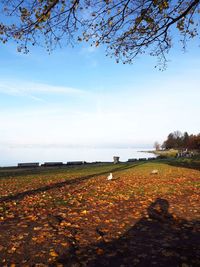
[
  {"x": 65, "y": 244},
  {"x": 37, "y": 228},
  {"x": 167, "y": 253},
  {"x": 53, "y": 253},
  {"x": 84, "y": 212},
  {"x": 99, "y": 251}
]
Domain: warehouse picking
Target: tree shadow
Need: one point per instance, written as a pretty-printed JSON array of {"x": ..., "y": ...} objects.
[
  {"x": 159, "y": 240},
  {"x": 10, "y": 172},
  {"x": 74, "y": 181}
]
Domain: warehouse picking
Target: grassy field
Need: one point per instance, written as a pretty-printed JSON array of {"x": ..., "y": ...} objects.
[
  {"x": 75, "y": 217},
  {"x": 171, "y": 153}
]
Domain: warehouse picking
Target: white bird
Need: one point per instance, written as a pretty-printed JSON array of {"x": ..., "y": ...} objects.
[{"x": 110, "y": 176}]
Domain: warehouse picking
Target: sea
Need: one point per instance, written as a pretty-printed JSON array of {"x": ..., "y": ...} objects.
[{"x": 11, "y": 156}]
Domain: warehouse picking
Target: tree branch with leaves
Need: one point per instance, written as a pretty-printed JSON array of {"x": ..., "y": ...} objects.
[{"x": 126, "y": 28}]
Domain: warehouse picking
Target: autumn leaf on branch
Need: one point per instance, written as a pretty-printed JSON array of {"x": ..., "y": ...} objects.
[{"x": 126, "y": 28}]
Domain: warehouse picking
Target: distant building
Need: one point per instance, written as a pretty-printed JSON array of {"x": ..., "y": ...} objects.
[{"x": 115, "y": 159}]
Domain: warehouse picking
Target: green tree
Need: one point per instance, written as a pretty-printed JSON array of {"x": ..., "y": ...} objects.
[
  {"x": 170, "y": 142},
  {"x": 127, "y": 27},
  {"x": 182, "y": 141}
]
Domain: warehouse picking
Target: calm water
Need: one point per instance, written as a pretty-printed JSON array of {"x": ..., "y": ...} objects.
[{"x": 13, "y": 155}]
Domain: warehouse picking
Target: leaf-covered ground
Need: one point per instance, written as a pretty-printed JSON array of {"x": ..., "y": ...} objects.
[{"x": 75, "y": 217}]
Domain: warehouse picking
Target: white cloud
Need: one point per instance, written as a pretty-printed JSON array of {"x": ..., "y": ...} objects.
[
  {"x": 104, "y": 119},
  {"x": 33, "y": 89}
]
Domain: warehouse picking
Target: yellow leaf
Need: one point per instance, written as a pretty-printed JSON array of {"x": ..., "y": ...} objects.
[
  {"x": 65, "y": 244},
  {"x": 167, "y": 253},
  {"x": 37, "y": 228},
  {"x": 99, "y": 251},
  {"x": 65, "y": 223},
  {"x": 53, "y": 253},
  {"x": 84, "y": 212}
]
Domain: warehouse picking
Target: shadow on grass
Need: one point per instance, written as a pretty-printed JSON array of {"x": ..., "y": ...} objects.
[
  {"x": 10, "y": 172},
  {"x": 78, "y": 180},
  {"x": 159, "y": 240}
]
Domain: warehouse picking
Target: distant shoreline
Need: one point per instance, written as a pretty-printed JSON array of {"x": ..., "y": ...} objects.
[
  {"x": 171, "y": 153},
  {"x": 147, "y": 151},
  {"x": 13, "y": 157}
]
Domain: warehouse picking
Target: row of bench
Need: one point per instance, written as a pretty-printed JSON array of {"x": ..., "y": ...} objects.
[
  {"x": 49, "y": 164},
  {"x": 69, "y": 163}
]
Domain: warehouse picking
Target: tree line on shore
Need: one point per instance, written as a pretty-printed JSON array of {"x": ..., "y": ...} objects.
[{"x": 179, "y": 140}]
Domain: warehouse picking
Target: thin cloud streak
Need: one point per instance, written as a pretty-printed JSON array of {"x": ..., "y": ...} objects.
[{"x": 33, "y": 89}]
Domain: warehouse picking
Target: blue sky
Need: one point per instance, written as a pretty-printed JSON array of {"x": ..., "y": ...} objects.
[{"x": 79, "y": 97}]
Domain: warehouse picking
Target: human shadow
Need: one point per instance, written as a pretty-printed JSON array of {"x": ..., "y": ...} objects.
[
  {"x": 73, "y": 181},
  {"x": 156, "y": 240}
]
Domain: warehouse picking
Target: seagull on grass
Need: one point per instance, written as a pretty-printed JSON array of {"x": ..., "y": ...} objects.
[{"x": 110, "y": 177}]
